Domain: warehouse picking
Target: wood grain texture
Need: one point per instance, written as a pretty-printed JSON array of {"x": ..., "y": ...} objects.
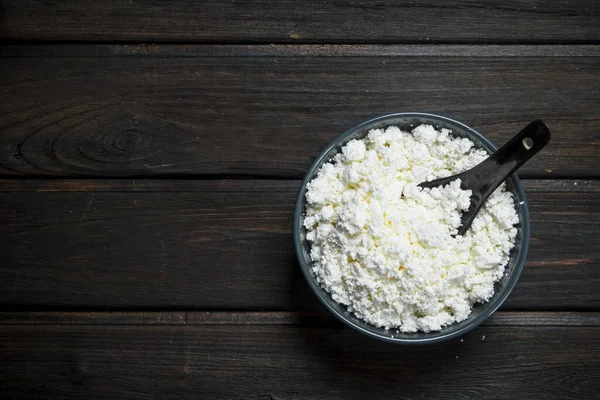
[
  {"x": 189, "y": 112},
  {"x": 324, "y": 318},
  {"x": 294, "y": 362},
  {"x": 304, "y": 50},
  {"x": 227, "y": 245},
  {"x": 286, "y": 21}
]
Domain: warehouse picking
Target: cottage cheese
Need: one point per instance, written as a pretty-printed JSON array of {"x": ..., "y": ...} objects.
[{"x": 384, "y": 247}]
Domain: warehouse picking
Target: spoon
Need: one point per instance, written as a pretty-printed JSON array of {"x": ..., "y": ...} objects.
[{"x": 485, "y": 177}]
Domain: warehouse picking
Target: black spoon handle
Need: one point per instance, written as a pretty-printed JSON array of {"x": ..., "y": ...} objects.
[{"x": 485, "y": 177}]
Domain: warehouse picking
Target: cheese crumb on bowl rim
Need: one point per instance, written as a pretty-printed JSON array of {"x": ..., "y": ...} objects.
[{"x": 502, "y": 288}]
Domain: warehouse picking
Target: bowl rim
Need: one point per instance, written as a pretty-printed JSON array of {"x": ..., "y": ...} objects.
[{"x": 321, "y": 293}]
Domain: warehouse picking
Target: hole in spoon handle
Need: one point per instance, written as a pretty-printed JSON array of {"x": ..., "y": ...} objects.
[
  {"x": 521, "y": 147},
  {"x": 484, "y": 178}
]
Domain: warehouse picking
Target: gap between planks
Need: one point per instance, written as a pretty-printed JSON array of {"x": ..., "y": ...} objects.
[{"x": 502, "y": 318}]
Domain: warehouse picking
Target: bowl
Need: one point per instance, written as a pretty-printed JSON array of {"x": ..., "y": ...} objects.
[{"x": 502, "y": 288}]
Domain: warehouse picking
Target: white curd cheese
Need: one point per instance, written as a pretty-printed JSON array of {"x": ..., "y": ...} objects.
[{"x": 386, "y": 249}]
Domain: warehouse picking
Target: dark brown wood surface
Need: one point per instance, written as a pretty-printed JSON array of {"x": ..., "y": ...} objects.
[
  {"x": 308, "y": 360},
  {"x": 150, "y": 156},
  {"x": 128, "y": 112},
  {"x": 312, "y": 318},
  {"x": 311, "y": 21},
  {"x": 227, "y": 244}
]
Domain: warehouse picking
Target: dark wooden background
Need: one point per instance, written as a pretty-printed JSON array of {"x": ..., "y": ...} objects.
[{"x": 150, "y": 155}]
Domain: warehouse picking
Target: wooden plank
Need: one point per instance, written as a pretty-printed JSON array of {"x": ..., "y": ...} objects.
[
  {"x": 294, "y": 361},
  {"x": 302, "y": 50},
  {"x": 229, "y": 185},
  {"x": 227, "y": 245},
  {"x": 94, "y": 318},
  {"x": 286, "y": 21},
  {"x": 156, "y": 113},
  {"x": 500, "y": 318}
]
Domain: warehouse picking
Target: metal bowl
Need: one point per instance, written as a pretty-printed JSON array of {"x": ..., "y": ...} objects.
[{"x": 407, "y": 121}]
